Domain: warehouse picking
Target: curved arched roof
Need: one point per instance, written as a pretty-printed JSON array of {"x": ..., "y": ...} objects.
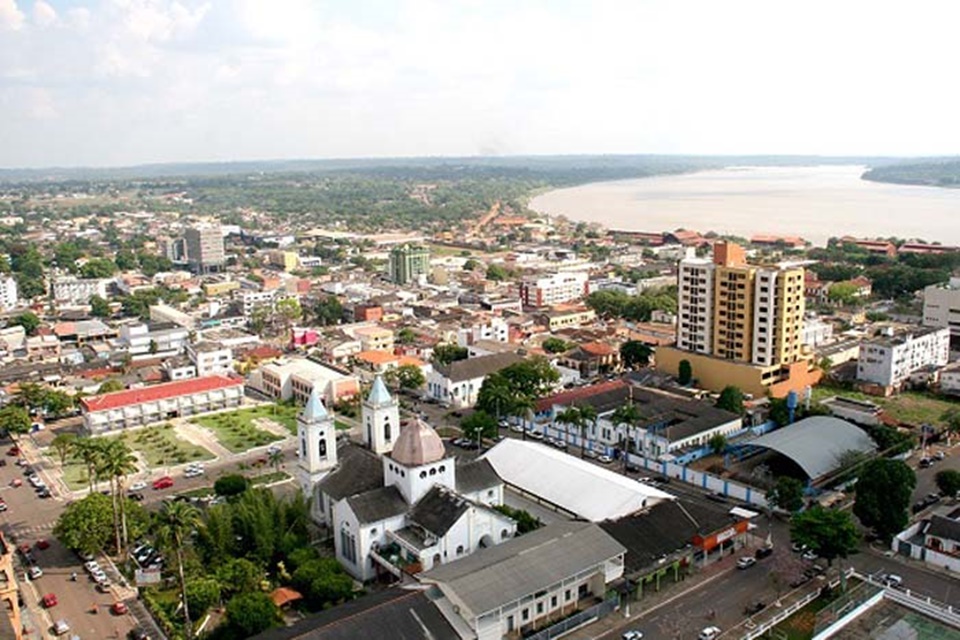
[{"x": 817, "y": 443}]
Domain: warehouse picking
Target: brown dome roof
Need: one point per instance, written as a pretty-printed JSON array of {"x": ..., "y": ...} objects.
[{"x": 418, "y": 444}]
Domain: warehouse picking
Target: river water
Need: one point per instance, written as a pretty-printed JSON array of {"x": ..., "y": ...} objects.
[{"x": 815, "y": 203}]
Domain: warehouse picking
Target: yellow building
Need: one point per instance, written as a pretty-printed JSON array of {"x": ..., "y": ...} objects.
[
  {"x": 212, "y": 289},
  {"x": 564, "y": 317},
  {"x": 286, "y": 260},
  {"x": 735, "y": 312}
]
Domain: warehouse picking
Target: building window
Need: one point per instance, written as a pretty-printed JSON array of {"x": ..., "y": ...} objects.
[
  {"x": 348, "y": 546},
  {"x": 553, "y": 602},
  {"x": 303, "y": 447},
  {"x": 460, "y": 550},
  {"x": 423, "y": 475},
  {"x": 526, "y": 615},
  {"x": 566, "y": 595},
  {"x": 539, "y": 608},
  {"x": 386, "y": 430},
  {"x": 322, "y": 446},
  {"x": 504, "y": 534},
  {"x": 433, "y": 471}
]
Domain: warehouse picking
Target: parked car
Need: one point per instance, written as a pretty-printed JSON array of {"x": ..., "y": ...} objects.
[
  {"x": 709, "y": 633},
  {"x": 809, "y": 555},
  {"x": 13, "y": 451},
  {"x": 35, "y": 572},
  {"x": 49, "y": 600},
  {"x": 42, "y": 544},
  {"x": 746, "y": 562},
  {"x": 590, "y": 453},
  {"x": 44, "y": 492},
  {"x": 763, "y": 552},
  {"x": 163, "y": 483},
  {"x": 926, "y": 462},
  {"x": 605, "y": 459},
  {"x": 192, "y": 473},
  {"x": 119, "y": 608},
  {"x": 892, "y": 580},
  {"x": 274, "y": 448},
  {"x": 138, "y": 634},
  {"x": 138, "y": 486},
  {"x": 61, "y": 627},
  {"x": 754, "y": 608},
  {"x": 136, "y": 496},
  {"x": 3, "y": 506},
  {"x": 632, "y": 634}
]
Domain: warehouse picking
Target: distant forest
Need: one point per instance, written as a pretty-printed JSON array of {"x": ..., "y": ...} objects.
[{"x": 931, "y": 173}]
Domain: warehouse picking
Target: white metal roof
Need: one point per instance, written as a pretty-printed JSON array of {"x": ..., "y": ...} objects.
[
  {"x": 818, "y": 443},
  {"x": 578, "y": 486}
]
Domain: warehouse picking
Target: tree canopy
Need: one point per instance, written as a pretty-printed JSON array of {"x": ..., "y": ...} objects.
[
  {"x": 635, "y": 353},
  {"x": 787, "y": 494},
  {"x": 731, "y": 399},
  {"x": 831, "y": 533},
  {"x": 883, "y": 491}
]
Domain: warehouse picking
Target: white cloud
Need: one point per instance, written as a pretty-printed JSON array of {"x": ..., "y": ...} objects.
[
  {"x": 11, "y": 17},
  {"x": 44, "y": 15}
]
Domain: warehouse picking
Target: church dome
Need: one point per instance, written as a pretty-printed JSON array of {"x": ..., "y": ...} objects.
[{"x": 418, "y": 444}]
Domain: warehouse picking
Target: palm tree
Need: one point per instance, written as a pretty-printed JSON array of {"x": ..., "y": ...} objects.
[
  {"x": 588, "y": 416},
  {"x": 176, "y": 521},
  {"x": 629, "y": 415},
  {"x": 116, "y": 464},
  {"x": 89, "y": 451},
  {"x": 276, "y": 459},
  {"x": 569, "y": 416},
  {"x": 63, "y": 443}
]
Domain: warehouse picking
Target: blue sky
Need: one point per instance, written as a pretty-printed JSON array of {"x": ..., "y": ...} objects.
[{"x": 114, "y": 82}]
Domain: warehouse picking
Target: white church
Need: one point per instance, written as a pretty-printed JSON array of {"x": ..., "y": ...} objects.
[{"x": 399, "y": 499}]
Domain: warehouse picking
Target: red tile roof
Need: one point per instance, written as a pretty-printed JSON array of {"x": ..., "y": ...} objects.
[
  {"x": 597, "y": 349},
  {"x": 565, "y": 398},
  {"x": 154, "y": 393}
]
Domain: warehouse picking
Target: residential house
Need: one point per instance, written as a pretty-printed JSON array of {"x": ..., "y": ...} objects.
[{"x": 457, "y": 384}]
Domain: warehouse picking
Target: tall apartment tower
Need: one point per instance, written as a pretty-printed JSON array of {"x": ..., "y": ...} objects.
[
  {"x": 204, "y": 245},
  {"x": 408, "y": 263},
  {"x": 737, "y": 311}
]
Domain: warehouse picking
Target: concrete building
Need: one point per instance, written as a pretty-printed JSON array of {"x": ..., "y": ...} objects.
[
  {"x": 408, "y": 263},
  {"x": 204, "y": 244},
  {"x": 72, "y": 290},
  {"x": 374, "y": 338},
  {"x": 138, "y": 407},
  {"x": 742, "y": 318},
  {"x": 210, "y": 358},
  {"x": 889, "y": 359},
  {"x": 941, "y": 306},
  {"x": 816, "y": 332},
  {"x": 950, "y": 379},
  {"x": 8, "y": 293},
  {"x": 165, "y": 313},
  {"x": 284, "y": 260},
  {"x": 510, "y": 590},
  {"x": 296, "y": 378},
  {"x": 566, "y": 317},
  {"x": 153, "y": 340},
  {"x": 457, "y": 384},
  {"x": 558, "y": 288}
]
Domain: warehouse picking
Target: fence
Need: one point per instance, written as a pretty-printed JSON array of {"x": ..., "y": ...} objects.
[
  {"x": 787, "y": 611},
  {"x": 701, "y": 479},
  {"x": 578, "y": 620}
]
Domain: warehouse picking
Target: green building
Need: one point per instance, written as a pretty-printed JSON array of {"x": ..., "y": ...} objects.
[{"x": 408, "y": 263}]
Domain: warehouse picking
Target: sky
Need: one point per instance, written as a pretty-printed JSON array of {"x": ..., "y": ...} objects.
[{"x": 120, "y": 82}]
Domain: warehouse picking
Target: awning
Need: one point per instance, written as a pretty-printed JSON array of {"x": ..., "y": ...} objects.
[{"x": 740, "y": 512}]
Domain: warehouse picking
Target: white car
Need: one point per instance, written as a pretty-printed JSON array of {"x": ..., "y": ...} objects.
[
  {"x": 193, "y": 473},
  {"x": 709, "y": 633},
  {"x": 516, "y": 428},
  {"x": 35, "y": 572},
  {"x": 61, "y": 627},
  {"x": 810, "y": 555},
  {"x": 274, "y": 448},
  {"x": 91, "y": 566},
  {"x": 746, "y": 562},
  {"x": 633, "y": 634},
  {"x": 138, "y": 486},
  {"x": 892, "y": 580},
  {"x": 604, "y": 459}
]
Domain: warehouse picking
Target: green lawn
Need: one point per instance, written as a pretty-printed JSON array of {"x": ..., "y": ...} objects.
[
  {"x": 283, "y": 414},
  {"x": 75, "y": 475},
  {"x": 911, "y": 406},
  {"x": 235, "y": 429},
  {"x": 341, "y": 425},
  {"x": 160, "y": 446}
]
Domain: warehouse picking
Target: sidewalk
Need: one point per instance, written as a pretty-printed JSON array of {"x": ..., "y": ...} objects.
[{"x": 652, "y": 601}]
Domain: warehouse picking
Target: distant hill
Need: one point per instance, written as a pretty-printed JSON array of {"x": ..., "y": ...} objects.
[
  {"x": 942, "y": 172},
  {"x": 569, "y": 168}
]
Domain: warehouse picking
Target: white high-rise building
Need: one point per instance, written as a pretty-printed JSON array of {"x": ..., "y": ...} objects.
[
  {"x": 695, "y": 305},
  {"x": 204, "y": 244},
  {"x": 8, "y": 293},
  {"x": 554, "y": 289},
  {"x": 889, "y": 360}
]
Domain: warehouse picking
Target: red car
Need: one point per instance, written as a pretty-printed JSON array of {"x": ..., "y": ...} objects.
[
  {"x": 163, "y": 483},
  {"x": 13, "y": 451},
  {"x": 119, "y": 608},
  {"x": 42, "y": 544},
  {"x": 24, "y": 548},
  {"x": 49, "y": 600}
]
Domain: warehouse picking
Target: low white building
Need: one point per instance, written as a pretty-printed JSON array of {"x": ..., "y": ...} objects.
[
  {"x": 816, "y": 332},
  {"x": 493, "y": 328},
  {"x": 210, "y": 358},
  {"x": 950, "y": 379},
  {"x": 295, "y": 378},
  {"x": 890, "y": 359},
  {"x": 511, "y": 589},
  {"x": 137, "y": 407},
  {"x": 164, "y": 313},
  {"x": 457, "y": 384},
  {"x": 153, "y": 340},
  {"x": 72, "y": 290}
]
